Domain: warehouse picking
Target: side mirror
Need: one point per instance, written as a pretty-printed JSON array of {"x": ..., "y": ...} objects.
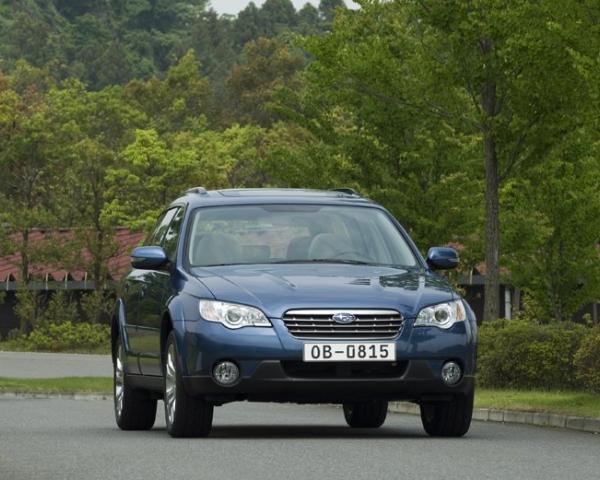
[
  {"x": 442, "y": 258},
  {"x": 148, "y": 258}
]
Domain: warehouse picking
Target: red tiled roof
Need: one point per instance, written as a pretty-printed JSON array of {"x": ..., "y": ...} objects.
[{"x": 125, "y": 241}]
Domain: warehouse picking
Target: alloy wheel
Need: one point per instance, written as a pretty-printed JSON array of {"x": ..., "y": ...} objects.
[
  {"x": 170, "y": 384},
  {"x": 119, "y": 380}
]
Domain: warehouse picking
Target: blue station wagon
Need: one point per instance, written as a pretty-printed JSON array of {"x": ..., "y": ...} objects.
[{"x": 285, "y": 295}]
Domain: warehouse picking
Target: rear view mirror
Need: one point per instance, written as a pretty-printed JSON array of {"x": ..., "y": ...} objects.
[
  {"x": 442, "y": 258},
  {"x": 148, "y": 258}
]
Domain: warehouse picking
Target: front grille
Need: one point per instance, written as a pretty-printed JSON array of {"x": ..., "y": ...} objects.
[
  {"x": 320, "y": 324},
  {"x": 344, "y": 370}
]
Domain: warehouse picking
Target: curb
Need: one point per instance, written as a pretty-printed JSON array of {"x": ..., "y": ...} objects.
[
  {"x": 61, "y": 396},
  {"x": 570, "y": 422}
]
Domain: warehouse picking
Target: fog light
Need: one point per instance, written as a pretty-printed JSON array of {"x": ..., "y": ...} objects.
[
  {"x": 451, "y": 373},
  {"x": 226, "y": 373}
]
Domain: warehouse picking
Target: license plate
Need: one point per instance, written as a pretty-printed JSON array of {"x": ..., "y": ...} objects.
[{"x": 349, "y": 352}]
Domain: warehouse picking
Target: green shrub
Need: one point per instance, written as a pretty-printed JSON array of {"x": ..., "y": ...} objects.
[
  {"x": 525, "y": 354},
  {"x": 60, "y": 308},
  {"x": 67, "y": 336},
  {"x": 587, "y": 361},
  {"x": 97, "y": 305}
]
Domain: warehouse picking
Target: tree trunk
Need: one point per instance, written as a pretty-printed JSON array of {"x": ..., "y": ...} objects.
[
  {"x": 25, "y": 256},
  {"x": 491, "y": 309},
  {"x": 490, "y": 106},
  {"x": 98, "y": 260}
]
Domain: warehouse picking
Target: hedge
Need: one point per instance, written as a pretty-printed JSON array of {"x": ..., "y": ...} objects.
[
  {"x": 528, "y": 355},
  {"x": 66, "y": 336}
]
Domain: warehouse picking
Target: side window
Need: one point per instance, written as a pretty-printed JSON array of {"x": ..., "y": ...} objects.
[
  {"x": 171, "y": 237},
  {"x": 161, "y": 227}
]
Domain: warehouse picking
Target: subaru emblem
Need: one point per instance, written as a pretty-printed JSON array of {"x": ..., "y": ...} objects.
[{"x": 343, "y": 318}]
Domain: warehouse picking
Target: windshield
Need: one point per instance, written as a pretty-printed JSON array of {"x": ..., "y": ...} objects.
[{"x": 259, "y": 234}]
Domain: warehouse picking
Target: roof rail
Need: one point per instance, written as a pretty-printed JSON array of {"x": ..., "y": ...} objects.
[
  {"x": 347, "y": 191},
  {"x": 198, "y": 190}
]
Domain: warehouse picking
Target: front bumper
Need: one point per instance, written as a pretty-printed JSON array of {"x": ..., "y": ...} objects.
[
  {"x": 264, "y": 356},
  {"x": 270, "y": 382}
]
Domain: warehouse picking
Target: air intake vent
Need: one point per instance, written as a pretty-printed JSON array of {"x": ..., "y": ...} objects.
[{"x": 366, "y": 324}]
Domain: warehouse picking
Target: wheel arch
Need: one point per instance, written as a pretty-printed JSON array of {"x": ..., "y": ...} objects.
[
  {"x": 117, "y": 328},
  {"x": 166, "y": 326}
]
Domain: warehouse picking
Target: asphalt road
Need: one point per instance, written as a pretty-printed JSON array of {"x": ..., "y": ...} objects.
[
  {"x": 77, "y": 439},
  {"x": 51, "y": 365}
]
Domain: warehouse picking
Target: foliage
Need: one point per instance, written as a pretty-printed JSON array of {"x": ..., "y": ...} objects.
[
  {"x": 525, "y": 354},
  {"x": 107, "y": 43},
  {"x": 435, "y": 89},
  {"x": 97, "y": 306},
  {"x": 587, "y": 361},
  {"x": 60, "y": 309},
  {"x": 268, "y": 65},
  {"x": 29, "y": 308},
  {"x": 108, "y": 110},
  {"x": 551, "y": 228},
  {"x": 36, "y": 308},
  {"x": 29, "y": 159},
  {"x": 66, "y": 336}
]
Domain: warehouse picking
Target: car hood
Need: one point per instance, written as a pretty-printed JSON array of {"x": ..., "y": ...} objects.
[{"x": 277, "y": 288}]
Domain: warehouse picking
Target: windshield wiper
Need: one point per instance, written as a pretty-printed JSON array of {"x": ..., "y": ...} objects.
[{"x": 327, "y": 260}]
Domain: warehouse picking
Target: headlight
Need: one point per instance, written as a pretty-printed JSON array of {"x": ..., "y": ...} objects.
[
  {"x": 443, "y": 315},
  {"x": 232, "y": 315}
]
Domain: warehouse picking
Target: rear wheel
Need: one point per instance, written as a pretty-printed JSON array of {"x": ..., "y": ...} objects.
[
  {"x": 134, "y": 409},
  {"x": 186, "y": 416},
  {"x": 448, "y": 419},
  {"x": 366, "y": 414}
]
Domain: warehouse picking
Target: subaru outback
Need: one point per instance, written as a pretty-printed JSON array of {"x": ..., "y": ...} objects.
[{"x": 285, "y": 295}]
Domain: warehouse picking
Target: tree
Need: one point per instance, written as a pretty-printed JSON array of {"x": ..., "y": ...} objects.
[
  {"x": 30, "y": 165},
  {"x": 552, "y": 233},
  {"x": 327, "y": 9},
  {"x": 176, "y": 102},
  {"x": 479, "y": 69},
  {"x": 309, "y": 22},
  {"x": 499, "y": 56},
  {"x": 147, "y": 177},
  {"x": 277, "y": 15},
  {"x": 94, "y": 127},
  {"x": 268, "y": 65},
  {"x": 247, "y": 25}
]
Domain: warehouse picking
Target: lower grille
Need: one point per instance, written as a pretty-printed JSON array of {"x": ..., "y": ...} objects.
[
  {"x": 366, "y": 324},
  {"x": 345, "y": 370}
]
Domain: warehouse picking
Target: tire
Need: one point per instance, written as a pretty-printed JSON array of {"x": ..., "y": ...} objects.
[
  {"x": 366, "y": 414},
  {"x": 186, "y": 416},
  {"x": 134, "y": 409},
  {"x": 448, "y": 419}
]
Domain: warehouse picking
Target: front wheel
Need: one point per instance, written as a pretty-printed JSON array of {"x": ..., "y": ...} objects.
[
  {"x": 134, "y": 409},
  {"x": 448, "y": 419},
  {"x": 186, "y": 416},
  {"x": 366, "y": 414}
]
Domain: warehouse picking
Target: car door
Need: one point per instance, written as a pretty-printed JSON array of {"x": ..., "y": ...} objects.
[
  {"x": 157, "y": 290},
  {"x": 140, "y": 339}
]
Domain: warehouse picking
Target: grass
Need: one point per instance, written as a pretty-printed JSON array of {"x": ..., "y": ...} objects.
[
  {"x": 568, "y": 403},
  {"x": 67, "y": 385},
  {"x": 8, "y": 346}
]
